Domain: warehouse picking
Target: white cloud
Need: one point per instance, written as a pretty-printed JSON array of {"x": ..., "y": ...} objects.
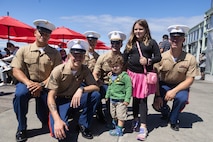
[
  {"x": 106, "y": 23},
  {"x": 103, "y": 24}
]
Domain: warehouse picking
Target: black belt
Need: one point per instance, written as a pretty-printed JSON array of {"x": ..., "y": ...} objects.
[
  {"x": 117, "y": 100},
  {"x": 65, "y": 97}
]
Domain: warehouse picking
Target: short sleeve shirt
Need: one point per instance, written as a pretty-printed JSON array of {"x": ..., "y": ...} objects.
[
  {"x": 65, "y": 82},
  {"x": 90, "y": 60},
  {"x": 174, "y": 72},
  {"x": 36, "y": 65},
  {"x": 102, "y": 67}
]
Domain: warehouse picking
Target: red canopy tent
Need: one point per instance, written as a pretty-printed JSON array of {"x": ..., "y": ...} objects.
[
  {"x": 3, "y": 36},
  {"x": 13, "y": 27},
  {"x": 32, "y": 39},
  {"x": 66, "y": 33},
  {"x": 101, "y": 46}
]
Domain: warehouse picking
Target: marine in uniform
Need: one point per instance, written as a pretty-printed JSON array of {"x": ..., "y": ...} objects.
[
  {"x": 67, "y": 93},
  {"x": 32, "y": 66},
  {"x": 176, "y": 71},
  {"x": 91, "y": 55},
  {"x": 102, "y": 68}
]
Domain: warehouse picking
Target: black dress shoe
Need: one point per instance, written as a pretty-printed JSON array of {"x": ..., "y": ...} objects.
[
  {"x": 175, "y": 127},
  {"x": 21, "y": 136},
  {"x": 165, "y": 118},
  {"x": 85, "y": 132}
]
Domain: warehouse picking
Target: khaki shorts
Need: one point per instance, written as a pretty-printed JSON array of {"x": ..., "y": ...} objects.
[{"x": 118, "y": 110}]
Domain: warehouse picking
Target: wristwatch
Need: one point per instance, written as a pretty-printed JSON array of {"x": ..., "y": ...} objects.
[
  {"x": 149, "y": 61},
  {"x": 42, "y": 84},
  {"x": 82, "y": 88}
]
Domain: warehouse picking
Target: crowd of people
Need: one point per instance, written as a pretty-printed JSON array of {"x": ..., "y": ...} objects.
[
  {"x": 80, "y": 81},
  {"x": 5, "y": 60}
]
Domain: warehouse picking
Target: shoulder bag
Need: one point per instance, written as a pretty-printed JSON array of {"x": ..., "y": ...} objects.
[{"x": 151, "y": 77}]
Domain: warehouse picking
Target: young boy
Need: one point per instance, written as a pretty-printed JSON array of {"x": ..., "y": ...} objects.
[{"x": 119, "y": 92}]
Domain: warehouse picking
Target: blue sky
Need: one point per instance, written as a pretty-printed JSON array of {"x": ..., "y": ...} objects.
[{"x": 105, "y": 16}]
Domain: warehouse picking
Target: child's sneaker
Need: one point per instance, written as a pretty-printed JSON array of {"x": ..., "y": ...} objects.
[
  {"x": 116, "y": 132},
  {"x": 142, "y": 134},
  {"x": 135, "y": 126}
]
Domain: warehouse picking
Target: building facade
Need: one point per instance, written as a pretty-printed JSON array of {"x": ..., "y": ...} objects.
[{"x": 200, "y": 39}]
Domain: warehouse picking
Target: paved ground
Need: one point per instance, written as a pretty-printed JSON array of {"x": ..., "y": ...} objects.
[{"x": 195, "y": 120}]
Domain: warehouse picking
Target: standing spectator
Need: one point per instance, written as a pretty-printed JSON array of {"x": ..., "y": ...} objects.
[
  {"x": 135, "y": 67},
  {"x": 67, "y": 93},
  {"x": 165, "y": 45},
  {"x": 102, "y": 69},
  {"x": 63, "y": 54},
  {"x": 119, "y": 93},
  {"x": 176, "y": 71},
  {"x": 202, "y": 64},
  {"x": 32, "y": 66}
]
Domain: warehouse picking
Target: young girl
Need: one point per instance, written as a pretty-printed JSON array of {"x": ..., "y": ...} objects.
[
  {"x": 119, "y": 93},
  {"x": 151, "y": 54}
]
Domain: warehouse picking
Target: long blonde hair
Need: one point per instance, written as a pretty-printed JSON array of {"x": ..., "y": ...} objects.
[{"x": 133, "y": 38}]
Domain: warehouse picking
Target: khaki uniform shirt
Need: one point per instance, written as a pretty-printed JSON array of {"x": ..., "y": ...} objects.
[
  {"x": 174, "y": 72},
  {"x": 37, "y": 66},
  {"x": 65, "y": 82},
  {"x": 90, "y": 60},
  {"x": 102, "y": 67}
]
